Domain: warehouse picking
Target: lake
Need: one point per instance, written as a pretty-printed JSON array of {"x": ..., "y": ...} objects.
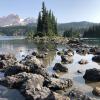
[{"x": 19, "y": 46}]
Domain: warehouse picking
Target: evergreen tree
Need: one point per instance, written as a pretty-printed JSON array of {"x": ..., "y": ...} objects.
[
  {"x": 47, "y": 24},
  {"x": 39, "y": 25}
]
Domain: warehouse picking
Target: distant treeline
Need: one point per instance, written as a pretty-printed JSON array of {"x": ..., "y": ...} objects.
[
  {"x": 93, "y": 32},
  {"x": 31, "y": 30},
  {"x": 17, "y": 30}
]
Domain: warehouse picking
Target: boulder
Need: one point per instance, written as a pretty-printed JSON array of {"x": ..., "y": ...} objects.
[
  {"x": 66, "y": 59},
  {"x": 55, "y": 75},
  {"x": 43, "y": 72},
  {"x": 56, "y": 96},
  {"x": 82, "y": 51},
  {"x": 6, "y": 61},
  {"x": 92, "y": 50},
  {"x": 76, "y": 94},
  {"x": 92, "y": 75},
  {"x": 73, "y": 41},
  {"x": 82, "y": 61},
  {"x": 7, "y": 56},
  {"x": 59, "y": 67},
  {"x": 32, "y": 61},
  {"x": 69, "y": 52},
  {"x": 16, "y": 81},
  {"x": 60, "y": 53},
  {"x": 33, "y": 89},
  {"x": 96, "y": 59},
  {"x": 59, "y": 84},
  {"x": 78, "y": 71},
  {"x": 95, "y": 51},
  {"x": 34, "y": 53},
  {"x": 96, "y": 91},
  {"x": 12, "y": 70},
  {"x": 41, "y": 56}
]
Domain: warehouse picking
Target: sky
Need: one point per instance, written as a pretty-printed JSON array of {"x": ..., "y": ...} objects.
[{"x": 64, "y": 10}]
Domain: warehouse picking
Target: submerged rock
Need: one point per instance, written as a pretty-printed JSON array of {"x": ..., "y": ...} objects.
[
  {"x": 57, "y": 96},
  {"x": 59, "y": 67},
  {"x": 96, "y": 59},
  {"x": 2, "y": 64},
  {"x": 60, "y": 53},
  {"x": 82, "y": 61},
  {"x": 82, "y": 51},
  {"x": 92, "y": 75},
  {"x": 66, "y": 59},
  {"x": 76, "y": 94},
  {"x": 78, "y": 71},
  {"x": 95, "y": 51},
  {"x": 69, "y": 52}
]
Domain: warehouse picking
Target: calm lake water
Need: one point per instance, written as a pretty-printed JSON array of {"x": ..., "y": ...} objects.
[{"x": 20, "y": 47}]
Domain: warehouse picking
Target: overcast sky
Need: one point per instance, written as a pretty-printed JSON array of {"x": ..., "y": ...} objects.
[{"x": 64, "y": 10}]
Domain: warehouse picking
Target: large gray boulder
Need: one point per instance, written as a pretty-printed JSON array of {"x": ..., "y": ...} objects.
[
  {"x": 18, "y": 68},
  {"x": 59, "y": 84},
  {"x": 15, "y": 81}
]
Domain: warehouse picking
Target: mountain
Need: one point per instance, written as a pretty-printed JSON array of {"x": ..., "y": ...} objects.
[
  {"x": 9, "y": 20},
  {"x": 29, "y": 20},
  {"x": 15, "y": 20}
]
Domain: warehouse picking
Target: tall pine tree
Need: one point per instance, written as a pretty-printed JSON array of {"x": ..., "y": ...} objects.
[
  {"x": 39, "y": 25},
  {"x": 47, "y": 24}
]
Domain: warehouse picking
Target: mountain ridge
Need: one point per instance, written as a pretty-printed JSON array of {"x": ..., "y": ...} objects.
[{"x": 15, "y": 20}]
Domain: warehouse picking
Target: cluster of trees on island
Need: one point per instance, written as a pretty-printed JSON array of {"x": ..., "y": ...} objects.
[
  {"x": 47, "y": 23},
  {"x": 47, "y": 26}
]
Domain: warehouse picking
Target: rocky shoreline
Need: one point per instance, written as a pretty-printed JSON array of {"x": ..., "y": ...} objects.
[{"x": 30, "y": 76}]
